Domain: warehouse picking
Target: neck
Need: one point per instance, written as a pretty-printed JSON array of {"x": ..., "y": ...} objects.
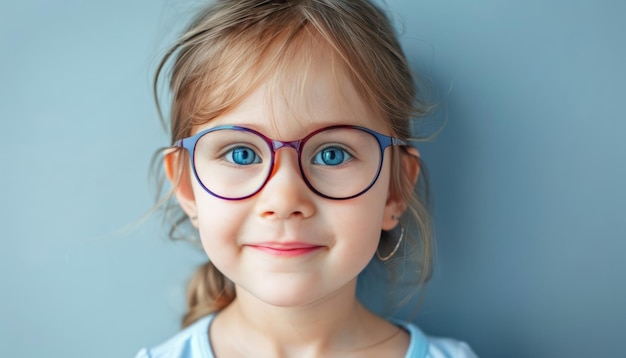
[{"x": 337, "y": 322}]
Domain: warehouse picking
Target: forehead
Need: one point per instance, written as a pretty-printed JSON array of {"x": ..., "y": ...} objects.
[{"x": 308, "y": 88}]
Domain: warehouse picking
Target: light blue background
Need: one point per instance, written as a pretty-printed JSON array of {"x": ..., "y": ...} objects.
[{"x": 528, "y": 176}]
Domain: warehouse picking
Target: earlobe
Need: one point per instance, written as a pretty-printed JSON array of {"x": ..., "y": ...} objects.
[
  {"x": 396, "y": 203},
  {"x": 178, "y": 174}
]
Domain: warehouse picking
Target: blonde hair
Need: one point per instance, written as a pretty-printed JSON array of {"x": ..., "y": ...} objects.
[{"x": 231, "y": 46}]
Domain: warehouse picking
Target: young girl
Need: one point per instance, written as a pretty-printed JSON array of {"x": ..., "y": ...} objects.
[{"x": 290, "y": 121}]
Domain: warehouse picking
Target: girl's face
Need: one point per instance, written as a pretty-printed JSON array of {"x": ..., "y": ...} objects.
[{"x": 287, "y": 246}]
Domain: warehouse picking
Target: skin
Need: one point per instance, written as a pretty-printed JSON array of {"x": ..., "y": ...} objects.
[{"x": 297, "y": 305}]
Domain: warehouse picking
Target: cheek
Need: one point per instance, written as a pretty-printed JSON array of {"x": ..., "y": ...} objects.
[
  {"x": 359, "y": 221},
  {"x": 357, "y": 234},
  {"x": 219, "y": 229},
  {"x": 218, "y": 222}
]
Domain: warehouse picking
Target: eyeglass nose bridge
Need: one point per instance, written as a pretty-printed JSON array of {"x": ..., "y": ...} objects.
[{"x": 278, "y": 144}]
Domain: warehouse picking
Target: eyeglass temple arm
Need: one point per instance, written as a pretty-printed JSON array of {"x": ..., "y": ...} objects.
[
  {"x": 398, "y": 141},
  {"x": 184, "y": 143}
]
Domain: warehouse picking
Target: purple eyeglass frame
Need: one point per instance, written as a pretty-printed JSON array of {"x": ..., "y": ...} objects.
[{"x": 384, "y": 141}]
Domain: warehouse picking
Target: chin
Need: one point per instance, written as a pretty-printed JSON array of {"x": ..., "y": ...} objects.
[
  {"x": 293, "y": 294},
  {"x": 286, "y": 296}
]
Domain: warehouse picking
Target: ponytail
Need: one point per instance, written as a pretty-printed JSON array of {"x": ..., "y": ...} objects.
[{"x": 209, "y": 291}]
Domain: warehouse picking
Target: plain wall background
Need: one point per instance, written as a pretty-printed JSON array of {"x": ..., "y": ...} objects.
[{"x": 527, "y": 176}]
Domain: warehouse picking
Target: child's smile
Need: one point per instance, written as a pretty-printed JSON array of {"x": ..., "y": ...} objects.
[{"x": 286, "y": 248}]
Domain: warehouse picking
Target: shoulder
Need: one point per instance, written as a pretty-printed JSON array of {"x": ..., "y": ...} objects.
[
  {"x": 193, "y": 341},
  {"x": 423, "y": 346}
]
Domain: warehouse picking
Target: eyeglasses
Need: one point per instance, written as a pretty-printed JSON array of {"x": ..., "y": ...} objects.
[{"x": 338, "y": 162}]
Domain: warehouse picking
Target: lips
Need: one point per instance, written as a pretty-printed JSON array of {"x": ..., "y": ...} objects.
[{"x": 286, "y": 249}]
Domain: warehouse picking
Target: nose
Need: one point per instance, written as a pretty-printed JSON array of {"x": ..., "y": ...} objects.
[{"x": 285, "y": 195}]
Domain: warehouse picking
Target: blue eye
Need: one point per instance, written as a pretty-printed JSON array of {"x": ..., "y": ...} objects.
[
  {"x": 331, "y": 156},
  {"x": 242, "y": 156}
]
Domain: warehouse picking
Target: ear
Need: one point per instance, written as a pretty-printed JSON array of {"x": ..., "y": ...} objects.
[
  {"x": 396, "y": 205},
  {"x": 179, "y": 176}
]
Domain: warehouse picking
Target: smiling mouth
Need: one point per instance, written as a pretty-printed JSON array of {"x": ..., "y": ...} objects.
[{"x": 288, "y": 250}]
